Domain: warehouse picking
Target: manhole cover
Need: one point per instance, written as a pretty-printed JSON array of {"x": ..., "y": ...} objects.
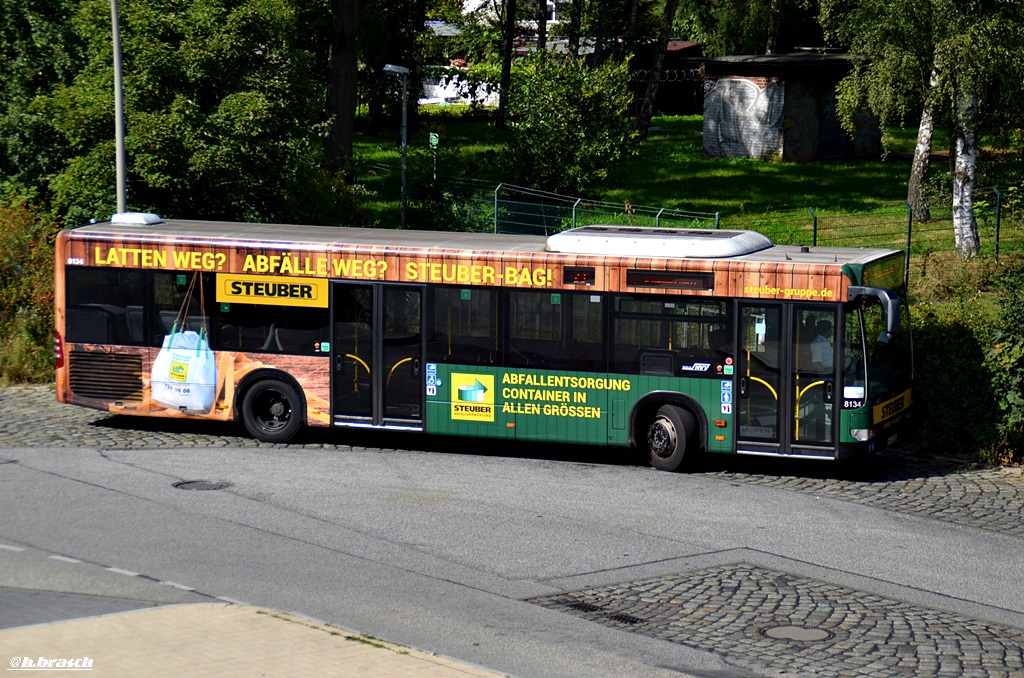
[
  {"x": 202, "y": 485},
  {"x": 801, "y": 633}
]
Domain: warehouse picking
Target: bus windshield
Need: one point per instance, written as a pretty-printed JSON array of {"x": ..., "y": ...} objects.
[{"x": 889, "y": 363}]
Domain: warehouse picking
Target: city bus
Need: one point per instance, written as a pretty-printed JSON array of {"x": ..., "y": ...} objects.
[{"x": 676, "y": 342}]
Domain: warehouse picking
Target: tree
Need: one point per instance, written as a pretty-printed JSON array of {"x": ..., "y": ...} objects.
[
  {"x": 953, "y": 61},
  {"x": 390, "y": 33},
  {"x": 507, "y": 14},
  {"x": 575, "y": 26},
  {"x": 569, "y": 123},
  {"x": 26, "y": 290},
  {"x": 916, "y": 195},
  {"x": 643, "y": 123},
  {"x": 541, "y": 14},
  {"x": 726, "y": 27},
  {"x": 621, "y": 28},
  {"x": 39, "y": 50},
  {"x": 223, "y": 108},
  {"x": 343, "y": 73}
]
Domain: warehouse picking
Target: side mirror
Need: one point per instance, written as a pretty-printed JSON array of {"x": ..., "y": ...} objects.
[{"x": 890, "y": 308}]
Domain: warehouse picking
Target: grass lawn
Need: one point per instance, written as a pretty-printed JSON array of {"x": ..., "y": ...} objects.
[
  {"x": 854, "y": 202},
  {"x": 670, "y": 171},
  {"x": 465, "y": 140}
]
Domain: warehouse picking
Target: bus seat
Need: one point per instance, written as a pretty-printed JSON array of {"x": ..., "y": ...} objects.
[
  {"x": 720, "y": 341},
  {"x": 272, "y": 342},
  {"x": 167, "y": 320},
  {"x": 88, "y": 325},
  {"x": 293, "y": 341},
  {"x": 136, "y": 318},
  {"x": 657, "y": 362}
]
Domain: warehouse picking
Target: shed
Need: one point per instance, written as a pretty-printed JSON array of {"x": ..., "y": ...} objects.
[{"x": 780, "y": 107}]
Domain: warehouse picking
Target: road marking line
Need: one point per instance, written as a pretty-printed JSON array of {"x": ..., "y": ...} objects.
[
  {"x": 120, "y": 571},
  {"x": 11, "y": 548},
  {"x": 65, "y": 559},
  {"x": 177, "y": 586}
]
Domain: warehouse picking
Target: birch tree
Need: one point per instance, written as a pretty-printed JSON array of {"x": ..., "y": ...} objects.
[{"x": 953, "y": 62}]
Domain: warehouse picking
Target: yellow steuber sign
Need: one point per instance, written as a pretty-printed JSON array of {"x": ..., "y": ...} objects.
[
  {"x": 274, "y": 290},
  {"x": 890, "y": 408},
  {"x": 472, "y": 397}
]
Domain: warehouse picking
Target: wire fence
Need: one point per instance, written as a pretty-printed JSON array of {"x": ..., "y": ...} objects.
[
  {"x": 999, "y": 212},
  {"x": 515, "y": 209}
]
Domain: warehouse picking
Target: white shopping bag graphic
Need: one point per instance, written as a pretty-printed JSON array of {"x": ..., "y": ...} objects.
[{"x": 184, "y": 375}]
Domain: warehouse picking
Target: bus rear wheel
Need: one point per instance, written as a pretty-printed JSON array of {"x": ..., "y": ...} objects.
[
  {"x": 272, "y": 411},
  {"x": 669, "y": 434}
]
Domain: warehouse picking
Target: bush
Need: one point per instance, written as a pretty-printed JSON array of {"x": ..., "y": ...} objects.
[
  {"x": 1005, "y": 359},
  {"x": 953, "y": 384},
  {"x": 569, "y": 123},
  {"x": 26, "y": 291}
]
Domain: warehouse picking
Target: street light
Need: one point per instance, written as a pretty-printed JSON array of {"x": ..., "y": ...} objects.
[
  {"x": 115, "y": 27},
  {"x": 404, "y": 72}
]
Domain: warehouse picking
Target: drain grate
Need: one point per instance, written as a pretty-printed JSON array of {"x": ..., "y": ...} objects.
[
  {"x": 603, "y": 612},
  {"x": 625, "y": 618},
  {"x": 202, "y": 485}
]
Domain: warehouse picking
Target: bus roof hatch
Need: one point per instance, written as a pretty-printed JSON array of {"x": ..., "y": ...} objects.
[{"x": 648, "y": 241}]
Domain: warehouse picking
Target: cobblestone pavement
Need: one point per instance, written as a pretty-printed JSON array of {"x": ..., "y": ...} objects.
[
  {"x": 795, "y": 626},
  {"x": 989, "y": 499}
]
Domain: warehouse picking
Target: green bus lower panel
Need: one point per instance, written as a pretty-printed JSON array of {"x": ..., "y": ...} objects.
[
  {"x": 713, "y": 396},
  {"x": 583, "y": 408}
]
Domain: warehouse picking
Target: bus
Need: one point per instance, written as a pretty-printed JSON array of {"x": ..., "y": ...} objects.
[{"x": 677, "y": 342}]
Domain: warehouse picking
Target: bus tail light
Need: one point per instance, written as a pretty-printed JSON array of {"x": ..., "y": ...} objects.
[
  {"x": 862, "y": 434},
  {"x": 58, "y": 349}
]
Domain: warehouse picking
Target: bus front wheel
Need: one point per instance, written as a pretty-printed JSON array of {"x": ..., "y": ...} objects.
[
  {"x": 668, "y": 436},
  {"x": 272, "y": 411}
]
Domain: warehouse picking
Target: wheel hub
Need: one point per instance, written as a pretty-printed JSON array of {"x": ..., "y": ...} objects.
[{"x": 661, "y": 437}]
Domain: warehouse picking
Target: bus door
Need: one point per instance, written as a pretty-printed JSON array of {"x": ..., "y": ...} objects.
[
  {"x": 377, "y": 355},
  {"x": 786, "y": 366}
]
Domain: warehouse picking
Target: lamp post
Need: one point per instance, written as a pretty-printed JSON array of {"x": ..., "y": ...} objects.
[
  {"x": 404, "y": 72},
  {"x": 118, "y": 107}
]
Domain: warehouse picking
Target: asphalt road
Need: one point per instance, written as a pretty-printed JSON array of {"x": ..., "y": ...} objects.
[{"x": 532, "y": 561}]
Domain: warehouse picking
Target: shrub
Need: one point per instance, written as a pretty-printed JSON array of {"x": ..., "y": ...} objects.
[
  {"x": 568, "y": 123},
  {"x": 1005, "y": 358},
  {"x": 953, "y": 384},
  {"x": 26, "y": 291}
]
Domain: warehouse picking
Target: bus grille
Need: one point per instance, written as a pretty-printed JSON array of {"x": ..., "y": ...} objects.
[{"x": 106, "y": 376}]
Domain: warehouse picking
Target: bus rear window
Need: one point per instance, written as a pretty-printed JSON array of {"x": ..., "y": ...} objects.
[{"x": 105, "y": 306}]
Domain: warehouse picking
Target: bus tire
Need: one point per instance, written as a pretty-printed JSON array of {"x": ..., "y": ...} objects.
[
  {"x": 669, "y": 435},
  {"x": 272, "y": 411}
]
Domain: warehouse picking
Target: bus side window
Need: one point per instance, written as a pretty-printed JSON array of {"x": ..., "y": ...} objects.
[
  {"x": 171, "y": 302},
  {"x": 271, "y": 329},
  {"x": 559, "y": 330},
  {"x": 463, "y": 329},
  {"x": 669, "y": 335}
]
